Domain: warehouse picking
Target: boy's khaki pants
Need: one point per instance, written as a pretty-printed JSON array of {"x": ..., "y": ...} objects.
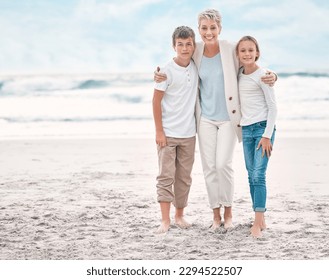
[{"x": 175, "y": 167}]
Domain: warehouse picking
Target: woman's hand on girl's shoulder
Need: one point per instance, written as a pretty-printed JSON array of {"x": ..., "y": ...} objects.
[{"x": 269, "y": 78}]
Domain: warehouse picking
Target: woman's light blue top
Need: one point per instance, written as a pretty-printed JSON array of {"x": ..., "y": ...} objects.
[{"x": 213, "y": 104}]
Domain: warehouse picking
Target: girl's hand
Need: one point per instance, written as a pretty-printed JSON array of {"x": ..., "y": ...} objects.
[
  {"x": 158, "y": 76},
  {"x": 269, "y": 78},
  {"x": 161, "y": 139},
  {"x": 266, "y": 146}
]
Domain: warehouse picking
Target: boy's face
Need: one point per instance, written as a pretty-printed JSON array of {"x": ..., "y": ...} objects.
[{"x": 184, "y": 48}]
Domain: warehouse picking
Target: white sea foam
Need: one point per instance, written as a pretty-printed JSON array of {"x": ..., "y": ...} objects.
[{"x": 119, "y": 105}]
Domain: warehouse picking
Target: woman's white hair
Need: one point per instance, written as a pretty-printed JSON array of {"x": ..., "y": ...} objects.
[{"x": 210, "y": 14}]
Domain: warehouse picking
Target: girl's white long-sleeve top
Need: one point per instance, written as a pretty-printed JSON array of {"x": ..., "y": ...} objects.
[{"x": 257, "y": 101}]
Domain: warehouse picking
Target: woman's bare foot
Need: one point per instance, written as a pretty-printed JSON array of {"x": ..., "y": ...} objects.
[
  {"x": 182, "y": 223},
  {"x": 216, "y": 224},
  {"x": 217, "y": 219},
  {"x": 228, "y": 217},
  {"x": 163, "y": 228},
  {"x": 228, "y": 223}
]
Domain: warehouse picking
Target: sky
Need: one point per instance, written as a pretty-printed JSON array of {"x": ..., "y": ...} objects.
[{"x": 117, "y": 36}]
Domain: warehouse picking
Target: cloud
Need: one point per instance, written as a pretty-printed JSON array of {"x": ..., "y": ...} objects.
[
  {"x": 135, "y": 36},
  {"x": 102, "y": 10}
]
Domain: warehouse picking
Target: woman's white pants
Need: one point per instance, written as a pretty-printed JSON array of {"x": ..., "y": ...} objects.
[{"x": 217, "y": 141}]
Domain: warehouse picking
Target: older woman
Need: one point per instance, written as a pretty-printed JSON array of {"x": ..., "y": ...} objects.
[{"x": 218, "y": 113}]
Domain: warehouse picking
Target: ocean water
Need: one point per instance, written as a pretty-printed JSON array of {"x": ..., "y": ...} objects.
[{"x": 120, "y": 105}]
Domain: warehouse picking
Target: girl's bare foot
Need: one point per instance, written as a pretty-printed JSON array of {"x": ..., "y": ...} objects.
[
  {"x": 258, "y": 225},
  {"x": 256, "y": 231},
  {"x": 263, "y": 225}
]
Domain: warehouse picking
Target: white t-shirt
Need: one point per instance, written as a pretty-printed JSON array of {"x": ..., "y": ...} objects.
[
  {"x": 257, "y": 101},
  {"x": 178, "y": 102}
]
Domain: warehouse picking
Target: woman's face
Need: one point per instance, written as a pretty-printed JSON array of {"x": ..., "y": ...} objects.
[{"x": 209, "y": 30}]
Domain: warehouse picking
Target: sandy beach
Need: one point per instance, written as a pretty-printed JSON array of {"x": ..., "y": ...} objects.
[{"x": 95, "y": 199}]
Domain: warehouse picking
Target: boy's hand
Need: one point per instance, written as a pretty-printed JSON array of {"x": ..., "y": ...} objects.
[
  {"x": 158, "y": 76},
  {"x": 269, "y": 78},
  {"x": 161, "y": 139},
  {"x": 266, "y": 146}
]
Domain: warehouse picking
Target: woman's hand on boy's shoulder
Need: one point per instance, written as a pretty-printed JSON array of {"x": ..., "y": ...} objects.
[{"x": 158, "y": 76}]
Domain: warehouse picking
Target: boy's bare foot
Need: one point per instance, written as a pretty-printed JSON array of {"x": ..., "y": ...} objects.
[
  {"x": 163, "y": 228},
  {"x": 256, "y": 231},
  {"x": 182, "y": 223},
  {"x": 228, "y": 223}
]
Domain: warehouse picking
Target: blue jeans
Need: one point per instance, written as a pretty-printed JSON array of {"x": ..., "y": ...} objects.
[{"x": 256, "y": 164}]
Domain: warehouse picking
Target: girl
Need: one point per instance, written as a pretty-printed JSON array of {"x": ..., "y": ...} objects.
[{"x": 258, "y": 109}]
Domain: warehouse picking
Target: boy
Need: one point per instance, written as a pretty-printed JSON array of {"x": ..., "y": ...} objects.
[{"x": 173, "y": 111}]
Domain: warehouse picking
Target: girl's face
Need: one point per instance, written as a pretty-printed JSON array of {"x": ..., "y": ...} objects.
[
  {"x": 209, "y": 30},
  {"x": 247, "y": 53}
]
